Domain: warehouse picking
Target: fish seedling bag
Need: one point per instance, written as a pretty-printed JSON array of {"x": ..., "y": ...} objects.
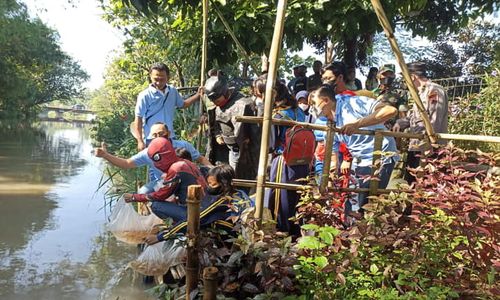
[
  {"x": 129, "y": 226},
  {"x": 152, "y": 261}
]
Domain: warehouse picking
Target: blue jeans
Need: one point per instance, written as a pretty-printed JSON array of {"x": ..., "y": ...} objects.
[
  {"x": 357, "y": 201},
  {"x": 166, "y": 210}
]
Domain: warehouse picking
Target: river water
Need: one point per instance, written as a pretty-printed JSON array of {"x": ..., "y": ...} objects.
[{"x": 53, "y": 240}]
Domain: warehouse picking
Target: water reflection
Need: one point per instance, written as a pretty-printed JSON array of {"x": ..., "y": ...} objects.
[{"x": 53, "y": 244}]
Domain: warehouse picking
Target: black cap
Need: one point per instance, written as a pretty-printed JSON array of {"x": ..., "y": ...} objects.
[
  {"x": 215, "y": 87},
  {"x": 417, "y": 68}
]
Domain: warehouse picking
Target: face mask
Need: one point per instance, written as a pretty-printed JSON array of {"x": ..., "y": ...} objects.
[
  {"x": 214, "y": 190},
  {"x": 223, "y": 103},
  {"x": 303, "y": 106},
  {"x": 317, "y": 111},
  {"x": 387, "y": 80}
]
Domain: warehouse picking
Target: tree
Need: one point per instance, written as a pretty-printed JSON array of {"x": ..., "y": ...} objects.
[
  {"x": 34, "y": 68},
  {"x": 349, "y": 25},
  {"x": 471, "y": 51}
]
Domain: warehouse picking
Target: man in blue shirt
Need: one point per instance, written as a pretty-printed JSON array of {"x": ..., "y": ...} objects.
[
  {"x": 352, "y": 112},
  {"x": 157, "y": 103},
  {"x": 142, "y": 159}
]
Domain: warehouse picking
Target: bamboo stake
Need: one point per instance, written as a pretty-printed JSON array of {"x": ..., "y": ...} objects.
[
  {"x": 377, "y": 148},
  {"x": 193, "y": 229},
  {"x": 268, "y": 107},
  {"x": 328, "y": 158},
  {"x": 210, "y": 283},
  {"x": 203, "y": 71},
  {"x": 379, "y": 10},
  {"x": 235, "y": 39}
]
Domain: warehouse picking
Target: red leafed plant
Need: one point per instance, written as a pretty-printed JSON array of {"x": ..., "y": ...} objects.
[{"x": 462, "y": 185}]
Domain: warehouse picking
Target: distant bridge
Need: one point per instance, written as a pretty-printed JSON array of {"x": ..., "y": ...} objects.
[{"x": 60, "y": 111}]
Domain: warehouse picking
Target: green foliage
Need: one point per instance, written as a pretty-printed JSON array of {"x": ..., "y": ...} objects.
[
  {"x": 472, "y": 50},
  {"x": 444, "y": 249},
  {"x": 477, "y": 114},
  {"x": 312, "y": 21},
  {"x": 34, "y": 68}
]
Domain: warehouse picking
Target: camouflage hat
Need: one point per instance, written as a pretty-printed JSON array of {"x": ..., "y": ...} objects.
[{"x": 386, "y": 68}]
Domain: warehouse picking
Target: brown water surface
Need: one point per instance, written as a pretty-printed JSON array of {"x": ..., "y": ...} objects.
[{"x": 53, "y": 241}]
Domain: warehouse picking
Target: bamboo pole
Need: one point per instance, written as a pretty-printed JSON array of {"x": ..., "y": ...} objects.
[
  {"x": 379, "y": 10},
  {"x": 300, "y": 187},
  {"x": 328, "y": 158},
  {"x": 250, "y": 119},
  {"x": 193, "y": 229},
  {"x": 466, "y": 137},
  {"x": 268, "y": 107},
  {"x": 409, "y": 135},
  {"x": 270, "y": 184},
  {"x": 235, "y": 39},
  {"x": 377, "y": 148},
  {"x": 210, "y": 283},
  {"x": 203, "y": 71}
]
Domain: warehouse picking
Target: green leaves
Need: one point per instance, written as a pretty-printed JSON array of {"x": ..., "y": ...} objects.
[{"x": 309, "y": 242}]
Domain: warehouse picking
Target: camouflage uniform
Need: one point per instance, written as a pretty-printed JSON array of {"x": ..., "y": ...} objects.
[{"x": 390, "y": 95}]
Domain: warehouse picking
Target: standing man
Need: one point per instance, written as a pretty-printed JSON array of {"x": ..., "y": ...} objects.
[
  {"x": 157, "y": 103},
  {"x": 242, "y": 140},
  {"x": 352, "y": 112},
  {"x": 299, "y": 82},
  {"x": 386, "y": 92},
  {"x": 314, "y": 81},
  {"x": 435, "y": 101}
]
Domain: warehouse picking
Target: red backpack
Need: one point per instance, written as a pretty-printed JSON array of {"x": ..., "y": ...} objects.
[{"x": 300, "y": 144}]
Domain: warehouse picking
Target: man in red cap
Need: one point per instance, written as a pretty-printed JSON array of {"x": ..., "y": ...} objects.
[{"x": 169, "y": 200}]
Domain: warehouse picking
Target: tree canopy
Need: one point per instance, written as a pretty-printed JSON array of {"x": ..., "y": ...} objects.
[
  {"x": 34, "y": 69},
  {"x": 349, "y": 25}
]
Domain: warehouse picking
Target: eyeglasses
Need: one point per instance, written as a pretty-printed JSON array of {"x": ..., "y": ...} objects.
[{"x": 157, "y": 156}]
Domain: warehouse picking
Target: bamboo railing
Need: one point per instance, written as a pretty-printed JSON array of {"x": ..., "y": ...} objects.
[{"x": 330, "y": 129}]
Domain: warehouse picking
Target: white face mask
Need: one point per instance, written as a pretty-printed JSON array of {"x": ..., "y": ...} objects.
[
  {"x": 303, "y": 106},
  {"x": 316, "y": 111}
]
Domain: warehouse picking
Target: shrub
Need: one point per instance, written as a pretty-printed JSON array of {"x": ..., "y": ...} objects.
[
  {"x": 446, "y": 248},
  {"x": 478, "y": 114}
]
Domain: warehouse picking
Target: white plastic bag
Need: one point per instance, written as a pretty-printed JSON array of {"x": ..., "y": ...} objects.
[
  {"x": 130, "y": 227},
  {"x": 152, "y": 261},
  {"x": 157, "y": 259}
]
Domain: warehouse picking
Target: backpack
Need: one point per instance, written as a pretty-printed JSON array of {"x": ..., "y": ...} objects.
[{"x": 300, "y": 144}]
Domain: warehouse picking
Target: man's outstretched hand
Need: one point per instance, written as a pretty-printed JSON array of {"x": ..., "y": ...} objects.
[{"x": 102, "y": 151}]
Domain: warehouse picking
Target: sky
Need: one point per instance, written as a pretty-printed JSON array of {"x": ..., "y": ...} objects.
[{"x": 83, "y": 34}]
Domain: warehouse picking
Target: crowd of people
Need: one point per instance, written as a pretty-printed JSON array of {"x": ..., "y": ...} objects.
[{"x": 331, "y": 94}]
